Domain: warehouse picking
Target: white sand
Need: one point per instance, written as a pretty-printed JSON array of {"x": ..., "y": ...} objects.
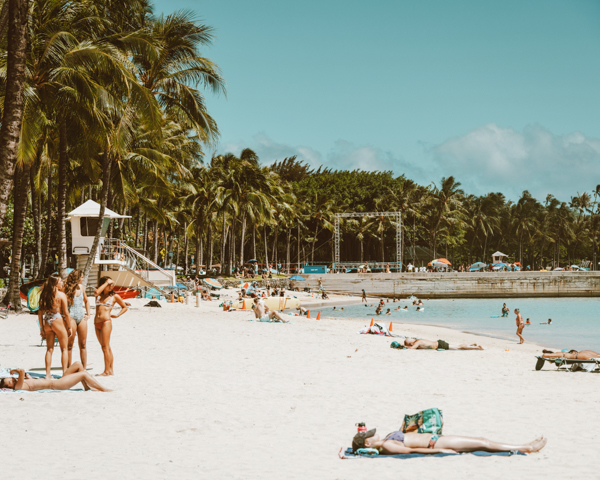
[{"x": 204, "y": 394}]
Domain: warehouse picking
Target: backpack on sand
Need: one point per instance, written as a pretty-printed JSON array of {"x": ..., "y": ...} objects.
[{"x": 425, "y": 421}]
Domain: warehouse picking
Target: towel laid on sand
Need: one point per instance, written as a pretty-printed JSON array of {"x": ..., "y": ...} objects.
[{"x": 347, "y": 454}]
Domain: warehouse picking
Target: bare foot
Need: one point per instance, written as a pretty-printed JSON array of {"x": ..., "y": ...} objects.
[
  {"x": 535, "y": 446},
  {"x": 103, "y": 374}
]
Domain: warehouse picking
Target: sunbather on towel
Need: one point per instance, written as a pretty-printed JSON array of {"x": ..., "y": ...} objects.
[
  {"x": 264, "y": 315},
  {"x": 404, "y": 443},
  {"x": 419, "y": 343},
  {"x": 573, "y": 354},
  {"x": 72, "y": 376}
]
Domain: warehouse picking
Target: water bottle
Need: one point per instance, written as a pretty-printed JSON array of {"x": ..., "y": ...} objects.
[{"x": 361, "y": 427}]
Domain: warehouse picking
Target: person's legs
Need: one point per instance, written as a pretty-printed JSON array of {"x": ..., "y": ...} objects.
[
  {"x": 465, "y": 347},
  {"x": 278, "y": 316},
  {"x": 472, "y": 444},
  {"x": 71, "y": 342},
  {"x": 104, "y": 338},
  {"x": 519, "y": 331},
  {"x": 88, "y": 382},
  {"x": 82, "y": 339},
  {"x": 58, "y": 327},
  {"x": 74, "y": 368},
  {"x": 49, "y": 351}
]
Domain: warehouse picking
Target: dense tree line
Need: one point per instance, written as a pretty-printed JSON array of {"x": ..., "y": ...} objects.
[{"x": 112, "y": 109}]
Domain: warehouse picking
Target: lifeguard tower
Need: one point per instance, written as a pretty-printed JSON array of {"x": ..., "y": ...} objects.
[
  {"x": 126, "y": 266},
  {"x": 499, "y": 257}
]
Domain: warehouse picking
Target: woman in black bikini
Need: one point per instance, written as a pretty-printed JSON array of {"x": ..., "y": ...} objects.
[
  {"x": 105, "y": 301},
  {"x": 55, "y": 322},
  {"x": 404, "y": 443}
]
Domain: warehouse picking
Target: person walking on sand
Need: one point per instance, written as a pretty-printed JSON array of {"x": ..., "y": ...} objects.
[
  {"x": 105, "y": 301},
  {"x": 79, "y": 310},
  {"x": 55, "y": 322},
  {"x": 520, "y": 325},
  {"x": 364, "y": 296}
]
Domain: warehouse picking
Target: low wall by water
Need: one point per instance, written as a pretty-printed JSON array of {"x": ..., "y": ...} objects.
[{"x": 460, "y": 285}]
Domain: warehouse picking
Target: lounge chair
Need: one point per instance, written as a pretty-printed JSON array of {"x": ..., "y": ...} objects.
[{"x": 570, "y": 364}]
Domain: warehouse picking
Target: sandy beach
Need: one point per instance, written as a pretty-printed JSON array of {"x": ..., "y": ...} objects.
[{"x": 208, "y": 394}]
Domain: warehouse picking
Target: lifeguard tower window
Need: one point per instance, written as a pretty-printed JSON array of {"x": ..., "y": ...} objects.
[{"x": 89, "y": 225}]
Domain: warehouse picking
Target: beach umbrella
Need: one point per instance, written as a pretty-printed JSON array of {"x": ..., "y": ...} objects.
[
  {"x": 479, "y": 264},
  {"x": 557, "y": 269},
  {"x": 254, "y": 260},
  {"x": 443, "y": 260},
  {"x": 212, "y": 282},
  {"x": 244, "y": 285},
  {"x": 298, "y": 278}
]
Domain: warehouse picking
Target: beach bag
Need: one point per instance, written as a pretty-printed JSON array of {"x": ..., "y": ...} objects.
[{"x": 426, "y": 421}]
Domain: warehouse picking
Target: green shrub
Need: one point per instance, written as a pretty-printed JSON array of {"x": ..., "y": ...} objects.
[{"x": 1, "y": 283}]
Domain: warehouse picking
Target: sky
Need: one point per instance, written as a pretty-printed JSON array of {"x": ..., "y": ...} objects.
[{"x": 504, "y": 96}]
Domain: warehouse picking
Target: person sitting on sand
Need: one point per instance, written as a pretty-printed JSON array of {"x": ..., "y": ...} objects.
[
  {"x": 264, "y": 315},
  {"x": 572, "y": 354},
  {"x": 425, "y": 443},
  {"x": 419, "y": 343},
  {"x": 72, "y": 376}
]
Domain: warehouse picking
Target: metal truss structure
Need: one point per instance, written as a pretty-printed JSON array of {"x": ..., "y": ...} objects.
[{"x": 396, "y": 215}]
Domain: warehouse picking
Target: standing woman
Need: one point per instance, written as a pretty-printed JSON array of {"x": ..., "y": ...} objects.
[
  {"x": 105, "y": 301},
  {"x": 54, "y": 319},
  {"x": 79, "y": 310}
]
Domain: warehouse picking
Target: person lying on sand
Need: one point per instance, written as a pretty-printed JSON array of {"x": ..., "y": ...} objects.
[
  {"x": 419, "y": 343},
  {"x": 573, "y": 354},
  {"x": 404, "y": 443},
  {"x": 72, "y": 376},
  {"x": 264, "y": 315}
]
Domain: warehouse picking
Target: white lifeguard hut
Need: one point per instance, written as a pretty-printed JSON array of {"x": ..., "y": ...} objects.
[
  {"x": 499, "y": 257},
  {"x": 126, "y": 266}
]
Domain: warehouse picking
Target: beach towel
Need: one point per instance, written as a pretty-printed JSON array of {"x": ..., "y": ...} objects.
[{"x": 347, "y": 454}]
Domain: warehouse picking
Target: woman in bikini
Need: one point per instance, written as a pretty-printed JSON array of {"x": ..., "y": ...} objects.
[
  {"x": 404, "y": 443},
  {"x": 105, "y": 301},
  {"x": 71, "y": 377},
  {"x": 520, "y": 325},
  {"x": 53, "y": 316},
  {"x": 79, "y": 310},
  {"x": 572, "y": 354}
]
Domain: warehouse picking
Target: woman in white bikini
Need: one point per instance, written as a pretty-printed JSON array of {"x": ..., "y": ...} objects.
[
  {"x": 105, "y": 301},
  {"x": 404, "y": 443},
  {"x": 71, "y": 377},
  {"x": 79, "y": 310},
  {"x": 53, "y": 316}
]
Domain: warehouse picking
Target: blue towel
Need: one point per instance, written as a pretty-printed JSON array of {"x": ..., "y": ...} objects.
[{"x": 348, "y": 454}]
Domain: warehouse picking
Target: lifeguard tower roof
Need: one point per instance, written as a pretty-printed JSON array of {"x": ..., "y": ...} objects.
[{"x": 92, "y": 209}]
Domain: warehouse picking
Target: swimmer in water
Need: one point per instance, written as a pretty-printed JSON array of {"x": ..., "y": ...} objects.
[
  {"x": 549, "y": 322},
  {"x": 334, "y": 308},
  {"x": 388, "y": 312}
]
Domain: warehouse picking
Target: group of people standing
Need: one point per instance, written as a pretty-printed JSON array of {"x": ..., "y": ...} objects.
[{"x": 63, "y": 313}]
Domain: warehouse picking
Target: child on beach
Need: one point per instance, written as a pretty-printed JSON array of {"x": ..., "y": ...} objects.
[{"x": 53, "y": 316}]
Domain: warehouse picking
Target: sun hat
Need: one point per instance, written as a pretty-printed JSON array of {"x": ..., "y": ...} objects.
[{"x": 359, "y": 439}]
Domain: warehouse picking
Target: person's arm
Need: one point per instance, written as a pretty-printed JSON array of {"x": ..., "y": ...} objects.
[
  {"x": 395, "y": 448},
  {"x": 21, "y": 379},
  {"x": 41, "y": 322},
  {"x": 85, "y": 301},
  {"x": 101, "y": 288},
  {"x": 416, "y": 345},
  {"x": 65, "y": 316},
  {"x": 121, "y": 303}
]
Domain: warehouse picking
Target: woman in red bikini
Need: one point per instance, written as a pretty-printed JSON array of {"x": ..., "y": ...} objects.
[
  {"x": 404, "y": 443},
  {"x": 55, "y": 322},
  {"x": 105, "y": 301}
]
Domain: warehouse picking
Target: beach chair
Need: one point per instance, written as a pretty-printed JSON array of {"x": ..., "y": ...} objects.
[{"x": 570, "y": 364}]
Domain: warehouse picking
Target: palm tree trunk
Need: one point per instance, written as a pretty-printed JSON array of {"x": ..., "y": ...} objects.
[
  {"x": 242, "y": 238},
  {"x": 37, "y": 223},
  {"x": 312, "y": 257},
  {"x": 46, "y": 250},
  {"x": 298, "y": 259},
  {"x": 223, "y": 242},
  {"x": 12, "y": 116},
  {"x": 155, "y": 240},
  {"x": 362, "y": 250},
  {"x": 274, "y": 249},
  {"x": 198, "y": 248},
  {"x": 20, "y": 212},
  {"x": 186, "y": 250},
  {"x": 266, "y": 247},
  {"x": 137, "y": 228},
  {"x": 166, "y": 257},
  {"x": 145, "y": 239},
  {"x": 107, "y": 165},
  {"x": 210, "y": 246},
  {"x": 289, "y": 242},
  {"x": 254, "y": 239},
  {"x": 62, "y": 199}
]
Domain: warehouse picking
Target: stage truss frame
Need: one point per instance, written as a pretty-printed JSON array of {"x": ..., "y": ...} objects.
[{"x": 397, "y": 264}]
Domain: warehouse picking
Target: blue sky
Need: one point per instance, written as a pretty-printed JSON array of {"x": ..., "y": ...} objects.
[{"x": 505, "y": 95}]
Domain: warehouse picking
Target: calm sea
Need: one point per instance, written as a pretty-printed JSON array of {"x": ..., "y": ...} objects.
[{"x": 575, "y": 321}]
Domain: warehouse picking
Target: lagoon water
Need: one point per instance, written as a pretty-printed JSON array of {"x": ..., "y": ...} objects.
[{"x": 575, "y": 321}]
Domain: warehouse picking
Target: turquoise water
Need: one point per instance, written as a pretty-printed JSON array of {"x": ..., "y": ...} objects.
[{"x": 575, "y": 321}]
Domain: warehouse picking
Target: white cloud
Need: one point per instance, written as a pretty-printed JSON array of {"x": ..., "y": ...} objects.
[{"x": 492, "y": 158}]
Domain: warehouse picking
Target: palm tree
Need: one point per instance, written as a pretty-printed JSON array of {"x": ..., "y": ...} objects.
[{"x": 446, "y": 202}]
